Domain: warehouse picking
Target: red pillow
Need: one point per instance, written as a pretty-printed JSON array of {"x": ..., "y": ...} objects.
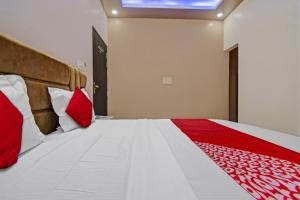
[
  {"x": 10, "y": 132},
  {"x": 80, "y": 108}
]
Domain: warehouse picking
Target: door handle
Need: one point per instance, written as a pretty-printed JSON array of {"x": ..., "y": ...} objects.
[{"x": 95, "y": 87}]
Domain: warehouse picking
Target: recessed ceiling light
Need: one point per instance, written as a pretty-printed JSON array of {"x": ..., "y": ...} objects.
[
  {"x": 220, "y": 15},
  {"x": 114, "y": 12}
]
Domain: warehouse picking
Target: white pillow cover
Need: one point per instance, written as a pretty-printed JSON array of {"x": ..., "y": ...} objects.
[
  {"x": 60, "y": 99},
  {"x": 15, "y": 90}
]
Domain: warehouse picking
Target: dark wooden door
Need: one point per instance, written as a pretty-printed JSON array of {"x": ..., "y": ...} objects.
[
  {"x": 233, "y": 84},
  {"x": 100, "y": 74}
]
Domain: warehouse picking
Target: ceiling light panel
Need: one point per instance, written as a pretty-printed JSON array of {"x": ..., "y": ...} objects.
[{"x": 173, "y": 4}]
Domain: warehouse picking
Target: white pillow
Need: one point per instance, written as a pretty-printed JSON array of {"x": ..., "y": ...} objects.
[
  {"x": 60, "y": 99},
  {"x": 15, "y": 90}
]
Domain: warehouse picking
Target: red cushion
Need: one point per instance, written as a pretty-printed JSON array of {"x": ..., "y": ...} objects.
[
  {"x": 10, "y": 132},
  {"x": 80, "y": 108}
]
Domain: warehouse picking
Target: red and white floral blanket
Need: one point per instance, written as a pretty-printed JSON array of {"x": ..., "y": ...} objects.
[{"x": 263, "y": 169}]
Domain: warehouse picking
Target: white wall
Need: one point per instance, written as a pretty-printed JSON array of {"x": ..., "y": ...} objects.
[
  {"x": 266, "y": 32},
  {"x": 59, "y": 28},
  {"x": 298, "y": 122}
]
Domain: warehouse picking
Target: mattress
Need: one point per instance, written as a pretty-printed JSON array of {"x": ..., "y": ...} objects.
[{"x": 126, "y": 159}]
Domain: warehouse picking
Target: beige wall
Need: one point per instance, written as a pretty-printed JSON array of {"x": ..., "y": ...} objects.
[
  {"x": 62, "y": 29},
  {"x": 142, "y": 51},
  {"x": 266, "y": 32}
]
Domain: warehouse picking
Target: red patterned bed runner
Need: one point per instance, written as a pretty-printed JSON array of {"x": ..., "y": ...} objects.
[{"x": 263, "y": 169}]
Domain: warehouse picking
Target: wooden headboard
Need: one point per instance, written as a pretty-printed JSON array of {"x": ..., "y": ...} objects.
[{"x": 39, "y": 72}]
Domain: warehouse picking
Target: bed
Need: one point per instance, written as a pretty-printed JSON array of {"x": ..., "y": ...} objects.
[
  {"x": 113, "y": 159},
  {"x": 119, "y": 159}
]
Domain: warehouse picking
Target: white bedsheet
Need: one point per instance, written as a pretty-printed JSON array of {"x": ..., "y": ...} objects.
[{"x": 125, "y": 159}]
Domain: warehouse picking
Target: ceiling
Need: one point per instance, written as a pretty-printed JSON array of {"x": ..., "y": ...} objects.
[{"x": 226, "y": 8}]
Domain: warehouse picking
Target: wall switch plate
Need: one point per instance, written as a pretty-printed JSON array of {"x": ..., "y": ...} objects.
[
  {"x": 81, "y": 64},
  {"x": 167, "y": 80}
]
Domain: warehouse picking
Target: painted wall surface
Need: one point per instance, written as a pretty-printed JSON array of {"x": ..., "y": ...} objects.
[
  {"x": 143, "y": 51},
  {"x": 298, "y": 100},
  {"x": 266, "y": 32},
  {"x": 59, "y": 28}
]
